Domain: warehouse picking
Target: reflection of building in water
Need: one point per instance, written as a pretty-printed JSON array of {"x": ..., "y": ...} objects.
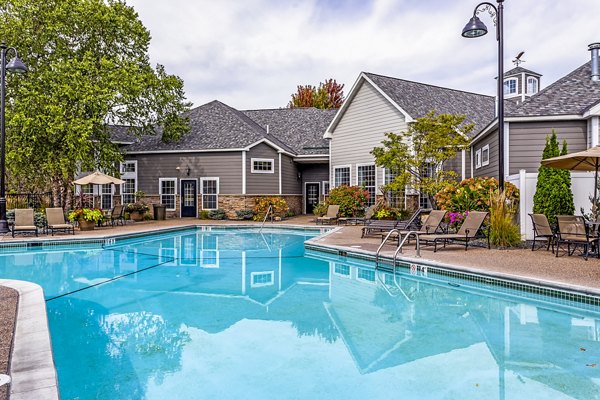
[{"x": 387, "y": 320}]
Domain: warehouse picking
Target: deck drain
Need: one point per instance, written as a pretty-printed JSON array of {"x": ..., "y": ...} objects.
[{"x": 4, "y": 379}]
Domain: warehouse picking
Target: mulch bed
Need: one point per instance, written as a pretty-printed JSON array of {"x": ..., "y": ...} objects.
[{"x": 8, "y": 313}]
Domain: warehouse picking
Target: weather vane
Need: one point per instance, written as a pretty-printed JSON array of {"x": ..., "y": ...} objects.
[{"x": 518, "y": 60}]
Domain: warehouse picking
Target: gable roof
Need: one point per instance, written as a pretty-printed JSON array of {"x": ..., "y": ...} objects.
[
  {"x": 416, "y": 99},
  {"x": 301, "y": 128},
  {"x": 520, "y": 70},
  {"x": 213, "y": 126},
  {"x": 573, "y": 94}
]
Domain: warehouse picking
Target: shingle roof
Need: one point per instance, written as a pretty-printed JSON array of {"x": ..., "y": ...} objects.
[
  {"x": 301, "y": 128},
  {"x": 575, "y": 93},
  {"x": 417, "y": 99},
  {"x": 213, "y": 126},
  {"x": 520, "y": 70}
]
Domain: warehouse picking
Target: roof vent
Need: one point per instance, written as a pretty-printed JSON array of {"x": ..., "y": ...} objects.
[{"x": 595, "y": 69}]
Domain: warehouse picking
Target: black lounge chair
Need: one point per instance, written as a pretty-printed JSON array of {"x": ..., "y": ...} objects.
[
  {"x": 116, "y": 215},
  {"x": 431, "y": 225},
  {"x": 375, "y": 226}
]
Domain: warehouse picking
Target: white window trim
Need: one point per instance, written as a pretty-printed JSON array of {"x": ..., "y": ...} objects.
[
  {"x": 366, "y": 165},
  {"x": 483, "y": 149},
  {"x": 340, "y": 167},
  {"x": 347, "y": 276},
  {"x": 478, "y": 159},
  {"x": 271, "y": 160},
  {"x": 516, "y": 85},
  {"x": 129, "y": 175},
  {"x": 323, "y": 183},
  {"x": 358, "y": 278},
  {"x": 160, "y": 193},
  {"x": 253, "y": 274},
  {"x": 202, "y": 191},
  {"x": 537, "y": 85}
]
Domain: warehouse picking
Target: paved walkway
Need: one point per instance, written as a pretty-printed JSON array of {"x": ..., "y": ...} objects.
[{"x": 540, "y": 265}]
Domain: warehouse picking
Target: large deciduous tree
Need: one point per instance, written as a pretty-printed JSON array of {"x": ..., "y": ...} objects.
[
  {"x": 88, "y": 68},
  {"x": 329, "y": 94},
  {"x": 417, "y": 156}
]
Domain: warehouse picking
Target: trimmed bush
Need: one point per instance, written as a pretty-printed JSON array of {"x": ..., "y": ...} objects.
[
  {"x": 280, "y": 207},
  {"x": 473, "y": 194},
  {"x": 244, "y": 214},
  {"x": 351, "y": 199},
  {"x": 320, "y": 209},
  {"x": 219, "y": 213}
]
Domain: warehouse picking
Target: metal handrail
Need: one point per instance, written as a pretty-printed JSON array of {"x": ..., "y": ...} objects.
[
  {"x": 381, "y": 245},
  {"x": 399, "y": 249},
  {"x": 269, "y": 210}
]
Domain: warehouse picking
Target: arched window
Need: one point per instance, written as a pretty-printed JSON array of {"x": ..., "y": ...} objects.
[{"x": 532, "y": 85}]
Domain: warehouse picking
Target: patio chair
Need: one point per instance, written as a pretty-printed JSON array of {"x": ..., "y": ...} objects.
[
  {"x": 55, "y": 221},
  {"x": 573, "y": 232},
  {"x": 431, "y": 225},
  {"x": 377, "y": 226},
  {"x": 542, "y": 230},
  {"x": 331, "y": 216},
  {"x": 116, "y": 215},
  {"x": 470, "y": 229},
  {"x": 24, "y": 221},
  {"x": 357, "y": 220}
]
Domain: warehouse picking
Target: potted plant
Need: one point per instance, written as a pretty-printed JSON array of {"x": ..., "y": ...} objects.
[
  {"x": 87, "y": 218},
  {"x": 137, "y": 210}
]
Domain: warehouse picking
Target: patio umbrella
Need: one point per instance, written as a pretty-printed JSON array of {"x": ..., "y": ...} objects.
[
  {"x": 98, "y": 178},
  {"x": 587, "y": 160}
]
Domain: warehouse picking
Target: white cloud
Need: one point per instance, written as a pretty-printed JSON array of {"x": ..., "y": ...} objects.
[{"x": 253, "y": 54}]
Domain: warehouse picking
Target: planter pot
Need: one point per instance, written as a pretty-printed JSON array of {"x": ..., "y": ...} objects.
[
  {"x": 136, "y": 216},
  {"x": 86, "y": 225}
]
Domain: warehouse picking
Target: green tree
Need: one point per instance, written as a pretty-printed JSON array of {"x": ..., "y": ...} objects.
[
  {"x": 88, "y": 68},
  {"x": 553, "y": 195},
  {"x": 329, "y": 94},
  {"x": 417, "y": 155}
]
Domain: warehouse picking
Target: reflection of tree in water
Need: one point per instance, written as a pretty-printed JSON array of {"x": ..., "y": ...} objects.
[{"x": 102, "y": 362}]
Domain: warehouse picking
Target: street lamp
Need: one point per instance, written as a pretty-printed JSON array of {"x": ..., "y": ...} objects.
[
  {"x": 476, "y": 28},
  {"x": 15, "y": 65}
]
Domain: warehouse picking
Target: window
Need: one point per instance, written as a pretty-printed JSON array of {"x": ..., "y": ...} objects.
[
  {"x": 87, "y": 196},
  {"x": 341, "y": 269},
  {"x": 485, "y": 155},
  {"x": 209, "y": 255},
  {"x": 129, "y": 175},
  {"x": 427, "y": 171},
  {"x": 262, "y": 166},
  {"x": 366, "y": 178},
  {"x": 341, "y": 176},
  {"x": 258, "y": 279},
  {"x": 478, "y": 159},
  {"x": 106, "y": 197},
  {"x": 532, "y": 85},
  {"x": 366, "y": 275},
  {"x": 510, "y": 86},
  {"x": 325, "y": 187},
  {"x": 395, "y": 197},
  {"x": 167, "y": 190},
  {"x": 210, "y": 193}
]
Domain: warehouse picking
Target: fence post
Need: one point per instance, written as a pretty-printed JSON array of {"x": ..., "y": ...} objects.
[{"x": 523, "y": 203}]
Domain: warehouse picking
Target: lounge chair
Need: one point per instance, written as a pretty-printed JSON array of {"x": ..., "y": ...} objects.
[
  {"x": 116, "y": 215},
  {"x": 331, "y": 216},
  {"x": 55, "y": 221},
  {"x": 431, "y": 225},
  {"x": 542, "y": 230},
  {"x": 24, "y": 221},
  {"x": 376, "y": 226},
  {"x": 572, "y": 232},
  {"x": 470, "y": 229},
  {"x": 358, "y": 220}
]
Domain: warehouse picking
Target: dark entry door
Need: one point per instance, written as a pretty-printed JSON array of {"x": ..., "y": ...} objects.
[
  {"x": 312, "y": 196},
  {"x": 189, "y": 198}
]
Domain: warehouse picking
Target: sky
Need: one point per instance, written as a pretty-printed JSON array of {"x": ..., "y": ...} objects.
[{"x": 252, "y": 54}]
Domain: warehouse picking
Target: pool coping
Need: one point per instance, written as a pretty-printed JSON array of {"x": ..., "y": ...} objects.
[{"x": 32, "y": 370}]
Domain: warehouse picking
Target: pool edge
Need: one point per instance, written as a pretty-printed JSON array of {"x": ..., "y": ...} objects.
[{"x": 32, "y": 368}]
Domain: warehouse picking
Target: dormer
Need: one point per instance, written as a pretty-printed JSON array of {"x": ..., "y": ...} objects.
[{"x": 520, "y": 83}]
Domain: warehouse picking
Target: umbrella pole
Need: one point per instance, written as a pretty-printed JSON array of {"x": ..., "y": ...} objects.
[{"x": 594, "y": 206}]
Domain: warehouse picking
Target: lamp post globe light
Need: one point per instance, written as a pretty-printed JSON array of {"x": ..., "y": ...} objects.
[
  {"x": 14, "y": 65},
  {"x": 476, "y": 28}
]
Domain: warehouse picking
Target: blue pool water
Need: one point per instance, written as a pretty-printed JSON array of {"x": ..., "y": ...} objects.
[{"x": 236, "y": 314}]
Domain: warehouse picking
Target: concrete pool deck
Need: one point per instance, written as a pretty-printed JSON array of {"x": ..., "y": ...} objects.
[{"x": 542, "y": 267}]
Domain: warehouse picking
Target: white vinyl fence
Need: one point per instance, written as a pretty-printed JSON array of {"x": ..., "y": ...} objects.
[{"x": 582, "y": 185}]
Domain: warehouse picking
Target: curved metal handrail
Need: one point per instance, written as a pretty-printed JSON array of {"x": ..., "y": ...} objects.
[
  {"x": 399, "y": 249},
  {"x": 381, "y": 245}
]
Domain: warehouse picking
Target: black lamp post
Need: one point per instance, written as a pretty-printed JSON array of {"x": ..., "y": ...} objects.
[
  {"x": 15, "y": 65},
  {"x": 476, "y": 28}
]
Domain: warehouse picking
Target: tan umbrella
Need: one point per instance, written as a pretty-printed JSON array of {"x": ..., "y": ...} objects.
[
  {"x": 98, "y": 178},
  {"x": 587, "y": 160}
]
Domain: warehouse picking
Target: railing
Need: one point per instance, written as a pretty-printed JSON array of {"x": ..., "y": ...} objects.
[
  {"x": 269, "y": 211},
  {"x": 36, "y": 201},
  {"x": 381, "y": 245}
]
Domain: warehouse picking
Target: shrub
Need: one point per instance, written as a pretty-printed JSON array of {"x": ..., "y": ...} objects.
[
  {"x": 553, "y": 195},
  {"x": 219, "y": 213},
  {"x": 320, "y": 209},
  {"x": 473, "y": 194},
  {"x": 351, "y": 199},
  {"x": 203, "y": 214},
  {"x": 244, "y": 214},
  {"x": 86, "y": 214},
  {"x": 503, "y": 232},
  {"x": 280, "y": 207}
]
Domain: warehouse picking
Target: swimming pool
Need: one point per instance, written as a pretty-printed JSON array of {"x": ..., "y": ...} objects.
[{"x": 229, "y": 314}]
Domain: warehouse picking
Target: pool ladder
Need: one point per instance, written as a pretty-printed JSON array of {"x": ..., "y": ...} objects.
[
  {"x": 399, "y": 249},
  {"x": 269, "y": 211}
]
